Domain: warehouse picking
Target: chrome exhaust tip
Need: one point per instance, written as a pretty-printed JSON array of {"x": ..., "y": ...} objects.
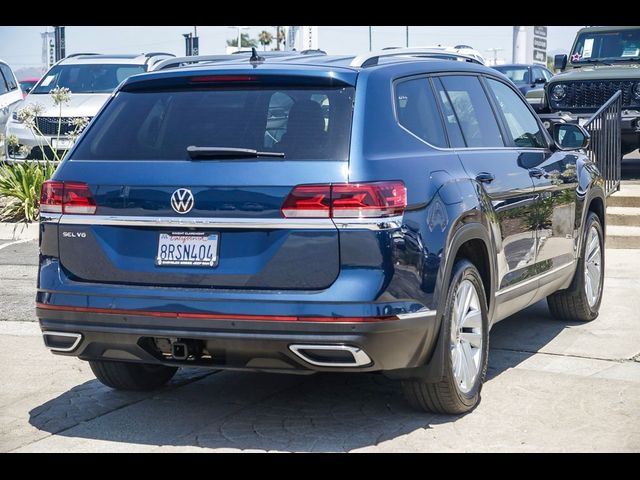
[
  {"x": 332, "y": 355},
  {"x": 61, "y": 341}
]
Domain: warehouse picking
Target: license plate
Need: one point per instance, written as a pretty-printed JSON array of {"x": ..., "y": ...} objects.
[
  {"x": 192, "y": 249},
  {"x": 61, "y": 143}
]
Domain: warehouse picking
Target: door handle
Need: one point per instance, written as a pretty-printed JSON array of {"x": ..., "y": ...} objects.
[
  {"x": 485, "y": 177},
  {"x": 538, "y": 172}
]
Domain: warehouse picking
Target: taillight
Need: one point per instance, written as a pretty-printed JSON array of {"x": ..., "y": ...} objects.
[
  {"x": 311, "y": 201},
  {"x": 349, "y": 200},
  {"x": 358, "y": 200},
  {"x": 51, "y": 197},
  {"x": 66, "y": 197},
  {"x": 78, "y": 198}
]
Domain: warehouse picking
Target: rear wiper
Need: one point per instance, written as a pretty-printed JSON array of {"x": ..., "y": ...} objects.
[{"x": 224, "y": 152}]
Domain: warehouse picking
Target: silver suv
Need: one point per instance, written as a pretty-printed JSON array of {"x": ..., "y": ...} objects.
[{"x": 90, "y": 78}]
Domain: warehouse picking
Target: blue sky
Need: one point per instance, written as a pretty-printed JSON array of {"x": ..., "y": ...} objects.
[{"x": 21, "y": 46}]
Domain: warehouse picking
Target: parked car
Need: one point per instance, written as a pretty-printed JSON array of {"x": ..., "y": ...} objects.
[
  {"x": 27, "y": 84},
  {"x": 405, "y": 206},
  {"x": 10, "y": 96},
  {"x": 603, "y": 60},
  {"x": 525, "y": 77},
  {"x": 536, "y": 98},
  {"x": 91, "y": 79},
  {"x": 465, "y": 50}
]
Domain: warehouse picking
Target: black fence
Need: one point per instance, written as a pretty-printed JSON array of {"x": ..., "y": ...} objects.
[{"x": 605, "y": 148}]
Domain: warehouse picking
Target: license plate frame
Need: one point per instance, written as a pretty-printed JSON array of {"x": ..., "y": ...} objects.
[
  {"x": 207, "y": 239},
  {"x": 61, "y": 143}
]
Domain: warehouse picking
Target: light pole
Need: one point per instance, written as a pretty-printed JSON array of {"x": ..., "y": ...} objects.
[
  {"x": 240, "y": 35},
  {"x": 495, "y": 54},
  {"x": 407, "y": 35},
  {"x": 370, "y": 42}
]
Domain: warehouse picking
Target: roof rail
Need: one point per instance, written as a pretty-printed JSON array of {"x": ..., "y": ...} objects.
[
  {"x": 370, "y": 59},
  {"x": 178, "y": 61},
  {"x": 150, "y": 57},
  {"x": 153, "y": 54},
  {"x": 313, "y": 51},
  {"x": 79, "y": 54}
]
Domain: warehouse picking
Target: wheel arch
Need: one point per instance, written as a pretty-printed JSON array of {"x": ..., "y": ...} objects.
[{"x": 466, "y": 236}]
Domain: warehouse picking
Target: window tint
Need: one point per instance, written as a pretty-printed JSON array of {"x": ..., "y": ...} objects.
[
  {"x": 524, "y": 128},
  {"x": 518, "y": 75},
  {"x": 303, "y": 123},
  {"x": 450, "y": 120},
  {"x": 86, "y": 78},
  {"x": 473, "y": 111},
  {"x": 539, "y": 73},
  {"x": 8, "y": 76},
  {"x": 418, "y": 112}
]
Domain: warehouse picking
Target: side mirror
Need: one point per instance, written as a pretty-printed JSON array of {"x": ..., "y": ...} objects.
[
  {"x": 560, "y": 62},
  {"x": 540, "y": 80},
  {"x": 570, "y": 136}
]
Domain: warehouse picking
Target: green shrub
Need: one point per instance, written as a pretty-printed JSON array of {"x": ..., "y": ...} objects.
[{"x": 20, "y": 185}]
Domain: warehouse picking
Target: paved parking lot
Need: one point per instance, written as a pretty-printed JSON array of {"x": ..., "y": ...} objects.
[{"x": 553, "y": 386}]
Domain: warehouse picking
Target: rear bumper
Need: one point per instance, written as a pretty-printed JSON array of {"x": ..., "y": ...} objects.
[{"x": 244, "y": 344}]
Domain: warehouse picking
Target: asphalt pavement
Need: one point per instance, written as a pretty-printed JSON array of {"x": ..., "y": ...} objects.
[{"x": 552, "y": 386}]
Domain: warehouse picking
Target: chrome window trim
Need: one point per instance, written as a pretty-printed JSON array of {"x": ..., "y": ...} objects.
[
  {"x": 230, "y": 223},
  {"x": 534, "y": 279}
]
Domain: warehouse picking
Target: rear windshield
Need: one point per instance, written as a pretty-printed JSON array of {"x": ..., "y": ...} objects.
[
  {"x": 303, "y": 123},
  {"x": 87, "y": 78},
  {"x": 516, "y": 74}
]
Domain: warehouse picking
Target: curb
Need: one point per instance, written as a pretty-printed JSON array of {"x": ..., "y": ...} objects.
[{"x": 19, "y": 231}]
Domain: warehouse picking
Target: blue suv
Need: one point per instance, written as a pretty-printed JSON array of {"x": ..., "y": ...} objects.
[{"x": 314, "y": 213}]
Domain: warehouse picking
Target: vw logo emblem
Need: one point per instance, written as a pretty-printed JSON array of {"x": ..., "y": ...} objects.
[{"x": 182, "y": 200}]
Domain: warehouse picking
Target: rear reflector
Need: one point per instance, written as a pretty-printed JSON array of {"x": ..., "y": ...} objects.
[
  {"x": 215, "y": 316},
  {"x": 66, "y": 197},
  {"x": 349, "y": 200}
]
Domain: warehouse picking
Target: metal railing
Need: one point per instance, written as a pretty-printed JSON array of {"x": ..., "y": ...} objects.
[{"x": 605, "y": 148}]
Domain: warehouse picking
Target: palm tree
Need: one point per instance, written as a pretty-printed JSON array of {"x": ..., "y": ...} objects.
[
  {"x": 265, "y": 38},
  {"x": 246, "y": 42},
  {"x": 280, "y": 37}
]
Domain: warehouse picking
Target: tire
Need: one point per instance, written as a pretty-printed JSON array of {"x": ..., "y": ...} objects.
[
  {"x": 131, "y": 376},
  {"x": 449, "y": 395},
  {"x": 573, "y": 303}
]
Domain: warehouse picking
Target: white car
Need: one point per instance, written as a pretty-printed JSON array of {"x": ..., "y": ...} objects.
[
  {"x": 461, "y": 50},
  {"x": 91, "y": 78},
  {"x": 10, "y": 96}
]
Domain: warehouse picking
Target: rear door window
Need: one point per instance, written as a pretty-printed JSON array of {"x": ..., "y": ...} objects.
[
  {"x": 418, "y": 112},
  {"x": 303, "y": 123},
  {"x": 473, "y": 111}
]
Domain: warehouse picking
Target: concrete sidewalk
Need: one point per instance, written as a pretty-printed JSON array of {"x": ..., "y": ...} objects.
[{"x": 553, "y": 386}]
